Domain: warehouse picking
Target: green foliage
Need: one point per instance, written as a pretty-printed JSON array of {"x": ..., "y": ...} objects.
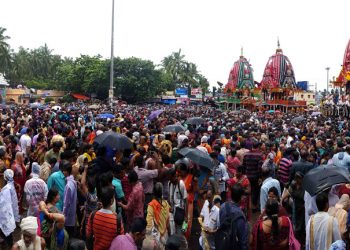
[
  {"x": 67, "y": 99},
  {"x": 181, "y": 73},
  {"x": 5, "y": 57},
  {"x": 135, "y": 80},
  {"x": 37, "y": 85},
  {"x": 48, "y": 99}
]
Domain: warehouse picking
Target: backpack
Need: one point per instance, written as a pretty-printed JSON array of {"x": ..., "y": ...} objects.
[
  {"x": 226, "y": 235},
  {"x": 91, "y": 238}
]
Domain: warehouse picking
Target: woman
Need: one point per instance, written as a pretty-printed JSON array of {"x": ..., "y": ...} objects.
[
  {"x": 297, "y": 192},
  {"x": 40, "y": 149},
  {"x": 20, "y": 177},
  {"x": 10, "y": 188},
  {"x": 273, "y": 194},
  {"x": 157, "y": 218},
  {"x": 89, "y": 152},
  {"x": 52, "y": 222},
  {"x": 88, "y": 190},
  {"x": 272, "y": 232},
  {"x": 241, "y": 179},
  {"x": 339, "y": 211},
  {"x": 232, "y": 163},
  {"x": 191, "y": 187},
  {"x": 79, "y": 166}
]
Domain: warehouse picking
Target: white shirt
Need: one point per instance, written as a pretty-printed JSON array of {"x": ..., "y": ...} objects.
[
  {"x": 320, "y": 223},
  {"x": 310, "y": 202},
  {"x": 289, "y": 140},
  {"x": 25, "y": 141},
  {"x": 175, "y": 195},
  {"x": 211, "y": 218}
]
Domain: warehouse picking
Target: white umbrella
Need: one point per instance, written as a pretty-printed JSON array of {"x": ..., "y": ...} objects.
[{"x": 56, "y": 108}]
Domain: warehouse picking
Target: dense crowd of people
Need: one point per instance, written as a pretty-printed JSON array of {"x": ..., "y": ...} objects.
[{"x": 62, "y": 190}]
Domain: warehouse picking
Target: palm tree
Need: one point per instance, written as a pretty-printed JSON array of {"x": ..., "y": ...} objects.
[
  {"x": 173, "y": 65},
  {"x": 5, "y": 56}
]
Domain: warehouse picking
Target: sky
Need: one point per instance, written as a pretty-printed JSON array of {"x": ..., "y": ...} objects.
[{"x": 313, "y": 34}]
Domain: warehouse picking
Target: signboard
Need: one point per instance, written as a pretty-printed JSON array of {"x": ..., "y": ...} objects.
[
  {"x": 303, "y": 85},
  {"x": 110, "y": 94},
  {"x": 169, "y": 101},
  {"x": 181, "y": 91},
  {"x": 196, "y": 91}
]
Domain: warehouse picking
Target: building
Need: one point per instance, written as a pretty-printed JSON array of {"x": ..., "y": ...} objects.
[
  {"x": 26, "y": 96},
  {"x": 308, "y": 96}
]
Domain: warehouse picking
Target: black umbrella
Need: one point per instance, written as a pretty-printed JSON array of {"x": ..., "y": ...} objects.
[
  {"x": 113, "y": 140},
  {"x": 198, "y": 156},
  {"x": 175, "y": 128},
  {"x": 323, "y": 177},
  {"x": 298, "y": 119},
  {"x": 195, "y": 121}
]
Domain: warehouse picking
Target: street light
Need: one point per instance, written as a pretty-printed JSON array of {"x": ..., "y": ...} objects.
[
  {"x": 328, "y": 68},
  {"x": 110, "y": 93}
]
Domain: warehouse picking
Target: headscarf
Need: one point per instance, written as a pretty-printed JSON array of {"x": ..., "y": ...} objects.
[
  {"x": 344, "y": 202},
  {"x": 8, "y": 175},
  {"x": 30, "y": 225},
  {"x": 35, "y": 168},
  {"x": 80, "y": 160}
]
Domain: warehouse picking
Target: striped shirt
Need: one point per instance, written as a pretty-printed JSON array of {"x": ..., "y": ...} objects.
[
  {"x": 284, "y": 170},
  {"x": 252, "y": 161},
  {"x": 104, "y": 229}
]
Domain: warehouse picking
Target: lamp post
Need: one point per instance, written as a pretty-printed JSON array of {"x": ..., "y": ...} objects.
[
  {"x": 110, "y": 93},
  {"x": 328, "y": 68}
]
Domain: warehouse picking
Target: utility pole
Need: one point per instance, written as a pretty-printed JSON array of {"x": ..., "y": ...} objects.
[
  {"x": 328, "y": 68},
  {"x": 110, "y": 93}
]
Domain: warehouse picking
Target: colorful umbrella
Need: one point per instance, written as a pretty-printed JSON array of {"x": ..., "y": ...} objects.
[
  {"x": 155, "y": 114},
  {"x": 106, "y": 116}
]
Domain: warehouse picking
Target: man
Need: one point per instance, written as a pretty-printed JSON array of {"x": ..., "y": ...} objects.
[
  {"x": 204, "y": 143},
  {"x": 322, "y": 229},
  {"x": 231, "y": 215},
  {"x": 25, "y": 143},
  {"x": 241, "y": 151},
  {"x": 103, "y": 225},
  {"x": 221, "y": 157},
  {"x": 135, "y": 206},
  {"x": 342, "y": 159},
  {"x": 30, "y": 240},
  {"x": 289, "y": 156},
  {"x": 58, "y": 137},
  {"x": 35, "y": 190},
  {"x": 55, "y": 152},
  {"x": 70, "y": 200},
  {"x": 116, "y": 182},
  {"x": 146, "y": 177},
  {"x": 303, "y": 166},
  {"x": 132, "y": 240},
  {"x": 252, "y": 161},
  {"x": 268, "y": 182},
  {"x": 58, "y": 180},
  {"x": 45, "y": 170},
  {"x": 177, "y": 198},
  {"x": 209, "y": 220},
  {"x": 220, "y": 175}
]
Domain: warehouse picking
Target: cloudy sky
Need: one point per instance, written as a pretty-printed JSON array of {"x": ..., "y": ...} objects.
[{"x": 313, "y": 34}]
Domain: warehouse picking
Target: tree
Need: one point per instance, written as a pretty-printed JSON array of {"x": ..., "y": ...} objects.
[
  {"x": 173, "y": 65},
  {"x": 137, "y": 80},
  {"x": 180, "y": 73},
  {"x": 5, "y": 57}
]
